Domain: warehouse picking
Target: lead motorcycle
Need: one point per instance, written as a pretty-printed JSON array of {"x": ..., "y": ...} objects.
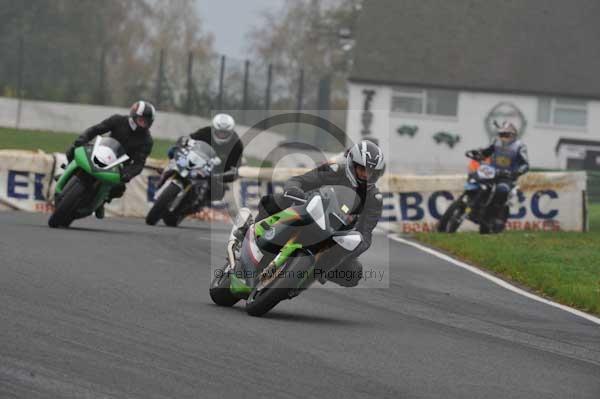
[
  {"x": 187, "y": 184},
  {"x": 276, "y": 258},
  {"x": 478, "y": 202},
  {"x": 87, "y": 180}
]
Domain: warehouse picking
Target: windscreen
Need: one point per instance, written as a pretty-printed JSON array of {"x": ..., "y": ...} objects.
[{"x": 113, "y": 144}]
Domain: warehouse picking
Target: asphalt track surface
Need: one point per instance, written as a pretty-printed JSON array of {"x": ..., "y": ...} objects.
[{"x": 117, "y": 309}]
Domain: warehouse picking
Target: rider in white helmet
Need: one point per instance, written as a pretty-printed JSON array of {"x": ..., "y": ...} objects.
[{"x": 224, "y": 140}]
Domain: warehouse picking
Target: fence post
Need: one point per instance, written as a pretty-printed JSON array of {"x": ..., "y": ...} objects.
[
  {"x": 159, "y": 89},
  {"x": 268, "y": 89},
  {"x": 245, "y": 93},
  {"x": 20, "y": 61},
  {"x": 299, "y": 101},
  {"x": 324, "y": 101},
  {"x": 190, "y": 83},
  {"x": 221, "y": 77},
  {"x": 101, "y": 99}
]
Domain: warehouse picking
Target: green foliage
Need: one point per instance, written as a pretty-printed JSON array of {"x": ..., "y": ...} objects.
[{"x": 101, "y": 52}]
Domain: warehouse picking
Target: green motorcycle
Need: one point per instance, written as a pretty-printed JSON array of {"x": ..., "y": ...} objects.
[
  {"x": 86, "y": 182},
  {"x": 278, "y": 257}
]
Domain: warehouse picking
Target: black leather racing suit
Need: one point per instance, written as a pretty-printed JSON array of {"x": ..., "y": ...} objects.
[
  {"x": 137, "y": 144},
  {"x": 346, "y": 269},
  {"x": 229, "y": 152}
]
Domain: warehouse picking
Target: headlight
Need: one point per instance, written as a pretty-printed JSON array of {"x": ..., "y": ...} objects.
[
  {"x": 184, "y": 172},
  {"x": 315, "y": 210}
]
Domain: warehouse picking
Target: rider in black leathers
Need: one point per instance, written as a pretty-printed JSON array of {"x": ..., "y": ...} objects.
[
  {"x": 362, "y": 167},
  {"x": 133, "y": 133},
  {"x": 226, "y": 143}
]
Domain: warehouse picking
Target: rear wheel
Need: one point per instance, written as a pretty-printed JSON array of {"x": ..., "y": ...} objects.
[
  {"x": 66, "y": 206},
  {"x": 162, "y": 203},
  {"x": 172, "y": 219},
  {"x": 452, "y": 218}
]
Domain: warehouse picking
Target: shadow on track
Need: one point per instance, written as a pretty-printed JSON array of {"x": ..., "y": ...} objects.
[
  {"x": 80, "y": 229},
  {"x": 294, "y": 317}
]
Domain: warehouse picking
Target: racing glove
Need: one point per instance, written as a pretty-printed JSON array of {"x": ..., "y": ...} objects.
[{"x": 125, "y": 176}]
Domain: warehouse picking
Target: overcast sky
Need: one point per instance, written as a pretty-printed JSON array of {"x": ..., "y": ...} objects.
[{"x": 230, "y": 20}]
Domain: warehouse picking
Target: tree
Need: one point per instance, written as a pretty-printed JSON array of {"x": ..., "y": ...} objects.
[
  {"x": 307, "y": 34},
  {"x": 97, "y": 51}
]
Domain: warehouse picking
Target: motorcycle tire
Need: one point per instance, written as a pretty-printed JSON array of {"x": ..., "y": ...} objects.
[
  {"x": 71, "y": 196},
  {"x": 161, "y": 205},
  {"x": 260, "y": 302},
  {"x": 173, "y": 219},
  {"x": 449, "y": 221}
]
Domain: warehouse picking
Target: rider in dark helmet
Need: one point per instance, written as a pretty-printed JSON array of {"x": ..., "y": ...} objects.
[
  {"x": 362, "y": 166},
  {"x": 133, "y": 133}
]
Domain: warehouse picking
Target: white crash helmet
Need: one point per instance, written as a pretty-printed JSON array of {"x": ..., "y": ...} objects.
[
  {"x": 223, "y": 126},
  {"x": 507, "y": 132},
  {"x": 367, "y": 155}
]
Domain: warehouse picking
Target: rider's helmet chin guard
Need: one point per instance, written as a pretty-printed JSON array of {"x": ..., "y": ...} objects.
[
  {"x": 507, "y": 133},
  {"x": 141, "y": 115},
  {"x": 364, "y": 159},
  {"x": 222, "y": 126}
]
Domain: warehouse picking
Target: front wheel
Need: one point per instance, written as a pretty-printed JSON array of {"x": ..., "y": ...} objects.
[
  {"x": 283, "y": 287},
  {"x": 452, "y": 218},
  {"x": 161, "y": 206},
  {"x": 71, "y": 197}
]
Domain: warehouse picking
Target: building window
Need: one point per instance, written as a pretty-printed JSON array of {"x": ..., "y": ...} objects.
[
  {"x": 428, "y": 102},
  {"x": 562, "y": 112}
]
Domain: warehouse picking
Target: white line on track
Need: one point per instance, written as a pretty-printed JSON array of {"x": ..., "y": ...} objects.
[{"x": 493, "y": 279}]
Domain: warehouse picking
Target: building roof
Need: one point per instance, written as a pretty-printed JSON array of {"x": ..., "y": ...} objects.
[
  {"x": 519, "y": 46},
  {"x": 577, "y": 142}
]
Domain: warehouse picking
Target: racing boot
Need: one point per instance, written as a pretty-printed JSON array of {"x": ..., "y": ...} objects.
[
  {"x": 243, "y": 221},
  {"x": 99, "y": 212}
]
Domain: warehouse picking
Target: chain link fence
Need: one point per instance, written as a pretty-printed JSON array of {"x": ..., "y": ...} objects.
[{"x": 195, "y": 84}]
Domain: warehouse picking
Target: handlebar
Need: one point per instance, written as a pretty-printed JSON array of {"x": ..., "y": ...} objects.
[
  {"x": 474, "y": 155},
  {"x": 227, "y": 177},
  {"x": 297, "y": 199}
]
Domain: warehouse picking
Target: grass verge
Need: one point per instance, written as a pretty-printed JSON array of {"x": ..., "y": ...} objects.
[
  {"x": 562, "y": 266},
  {"x": 58, "y": 142}
]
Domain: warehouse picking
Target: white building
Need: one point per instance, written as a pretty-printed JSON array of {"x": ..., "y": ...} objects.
[{"x": 430, "y": 77}]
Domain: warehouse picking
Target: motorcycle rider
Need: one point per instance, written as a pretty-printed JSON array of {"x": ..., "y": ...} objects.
[
  {"x": 133, "y": 133},
  {"x": 221, "y": 136},
  {"x": 360, "y": 169},
  {"x": 509, "y": 156}
]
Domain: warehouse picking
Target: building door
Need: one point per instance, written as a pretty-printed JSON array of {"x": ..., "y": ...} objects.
[{"x": 592, "y": 160}]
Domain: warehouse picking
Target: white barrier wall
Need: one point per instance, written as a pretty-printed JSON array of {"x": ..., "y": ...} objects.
[
  {"x": 548, "y": 201},
  {"x": 75, "y": 118}
]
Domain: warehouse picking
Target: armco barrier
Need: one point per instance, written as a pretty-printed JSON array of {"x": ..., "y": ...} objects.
[{"x": 548, "y": 201}]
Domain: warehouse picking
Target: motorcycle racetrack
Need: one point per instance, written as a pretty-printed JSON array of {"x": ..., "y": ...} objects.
[{"x": 117, "y": 309}]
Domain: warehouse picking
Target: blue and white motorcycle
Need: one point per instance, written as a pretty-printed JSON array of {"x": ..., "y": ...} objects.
[{"x": 186, "y": 183}]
